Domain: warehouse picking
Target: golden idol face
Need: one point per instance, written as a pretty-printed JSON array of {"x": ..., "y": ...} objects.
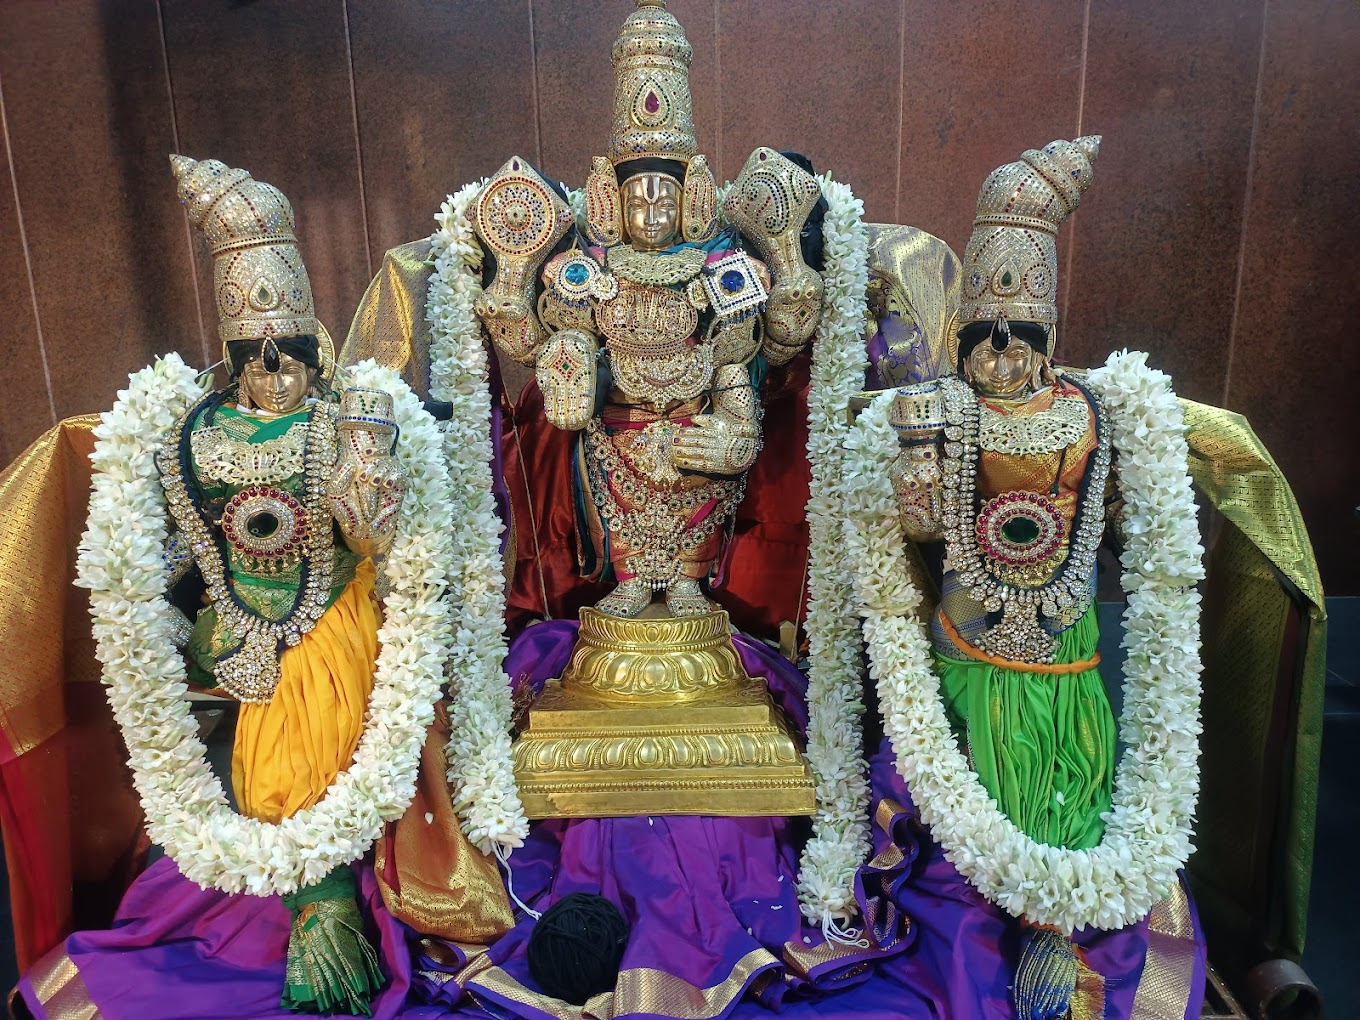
[
  {"x": 651, "y": 210},
  {"x": 277, "y": 392},
  {"x": 1007, "y": 373}
]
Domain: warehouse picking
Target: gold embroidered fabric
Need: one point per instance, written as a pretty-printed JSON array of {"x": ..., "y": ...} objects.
[
  {"x": 429, "y": 875},
  {"x": 57, "y": 984},
  {"x": 640, "y": 991},
  {"x": 1265, "y": 634},
  {"x": 390, "y": 325},
  {"x": 1164, "y": 986},
  {"x": 914, "y": 277},
  {"x": 42, "y": 507}
]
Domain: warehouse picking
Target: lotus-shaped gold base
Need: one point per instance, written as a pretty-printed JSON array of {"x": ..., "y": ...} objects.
[{"x": 657, "y": 716}]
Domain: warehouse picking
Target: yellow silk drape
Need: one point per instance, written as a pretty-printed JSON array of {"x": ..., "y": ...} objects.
[
  {"x": 290, "y": 748},
  {"x": 1265, "y": 636}
]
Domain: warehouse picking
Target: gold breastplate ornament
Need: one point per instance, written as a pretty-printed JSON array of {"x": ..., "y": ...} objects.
[
  {"x": 1054, "y": 428},
  {"x": 1007, "y": 556},
  {"x": 649, "y": 331},
  {"x": 647, "y": 321}
]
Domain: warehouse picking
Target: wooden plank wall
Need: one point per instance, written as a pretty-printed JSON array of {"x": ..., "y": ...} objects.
[{"x": 1220, "y": 233}]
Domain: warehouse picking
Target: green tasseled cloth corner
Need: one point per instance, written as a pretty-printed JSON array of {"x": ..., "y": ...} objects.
[{"x": 331, "y": 966}]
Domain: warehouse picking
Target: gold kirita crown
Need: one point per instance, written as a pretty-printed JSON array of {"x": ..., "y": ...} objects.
[
  {"x": 653, "y": 112},
  {"x": 259, "y": 280},
  {"x": 653, "y": 118},
  {"x": 1011, "y": 264}
]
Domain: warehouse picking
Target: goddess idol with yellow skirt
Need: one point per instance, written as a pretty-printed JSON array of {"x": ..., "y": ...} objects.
[{"x": 278, "y": 496}]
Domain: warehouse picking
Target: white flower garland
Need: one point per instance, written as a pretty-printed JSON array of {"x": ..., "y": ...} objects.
[
  {"x": 481, "y": 774},
  {"x": 121, "y": 562},
  {"x": 479, "y": 757},
  {"x": 1148, "y": 830},
  {"x": 840, "y": 837}
]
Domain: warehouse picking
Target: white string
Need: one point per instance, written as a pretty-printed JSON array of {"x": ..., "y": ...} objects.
[
  {"x": 833, "y": 932},
  {"x": 503, "y": 855}
]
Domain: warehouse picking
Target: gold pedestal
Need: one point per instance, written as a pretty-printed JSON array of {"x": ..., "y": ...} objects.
[{"x": 658, "y": 717}]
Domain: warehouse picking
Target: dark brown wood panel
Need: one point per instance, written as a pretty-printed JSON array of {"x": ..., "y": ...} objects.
[
  {"x": 576, "y": 80},
  {"x": 1155, "y": 244},
  {"x": 26, "y": 409},
  {"x": 984, "y": 81},
  {"x": 1295, "y": 359},
  {"x": 819, "y": 78},
  {"x": 89, "y": 124},
  {"x": 445, "y": 93},
  {"x": 912, "y": 103},
  {"x": 266, "y": 86}
]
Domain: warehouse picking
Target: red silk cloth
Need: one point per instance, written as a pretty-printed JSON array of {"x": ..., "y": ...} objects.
[{"x": 766, "y": 579}]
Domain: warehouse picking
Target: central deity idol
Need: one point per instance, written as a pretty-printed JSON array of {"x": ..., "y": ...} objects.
[
  {"x": 649, "y": 326},
  {"x": 652, "y": 332}
]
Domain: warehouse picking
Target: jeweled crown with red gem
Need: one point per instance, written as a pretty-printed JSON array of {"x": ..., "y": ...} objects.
[{"x": 653, "y": 112}]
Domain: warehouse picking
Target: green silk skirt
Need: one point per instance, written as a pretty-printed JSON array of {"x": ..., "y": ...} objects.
[{"x": 1042, "y": 744}]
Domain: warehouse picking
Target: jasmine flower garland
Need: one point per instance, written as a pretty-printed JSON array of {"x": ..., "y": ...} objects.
[
  {"x": 1149, "y": 827},
  {"x": 121, "y": 561},
  {"x": 481, "y": 774},
  {"x": 840, "y": 838}
]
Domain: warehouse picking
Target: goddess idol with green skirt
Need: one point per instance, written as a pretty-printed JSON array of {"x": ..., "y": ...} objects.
[{"x": 1010, "y": 464}]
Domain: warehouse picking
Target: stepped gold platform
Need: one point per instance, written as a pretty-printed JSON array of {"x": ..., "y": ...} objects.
[{"x": 656, "y": 716}]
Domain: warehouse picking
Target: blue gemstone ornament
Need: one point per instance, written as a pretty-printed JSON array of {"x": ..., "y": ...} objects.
[{"x": 732, "y": 281}]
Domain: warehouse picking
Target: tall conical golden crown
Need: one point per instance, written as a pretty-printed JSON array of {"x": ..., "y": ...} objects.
[
  {"x": 1010, "y": 266},
  {"x": 653, "y": 112},
  {"x": 259, "y": 280}
]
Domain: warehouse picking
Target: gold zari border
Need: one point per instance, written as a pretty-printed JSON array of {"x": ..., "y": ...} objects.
[
  {"x": 59, "y": 987},
  {"x": 639, "y": 990},
  {"x": 1164, "y": 987}
]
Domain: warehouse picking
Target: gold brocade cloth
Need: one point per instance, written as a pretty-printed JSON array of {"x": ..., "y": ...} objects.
[
  {"x": 1265, "y": 636},
  {"x": 72, "y": 824},
  {"x": 430, "y": 876},
  {"x": 390, "y": 326}
]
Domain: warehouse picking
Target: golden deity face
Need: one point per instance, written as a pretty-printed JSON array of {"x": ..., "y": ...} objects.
[
  {"x": 651, "y": 210},
  {"x": 280, "y": 391},
  {"x": 1009, "y": 373}
]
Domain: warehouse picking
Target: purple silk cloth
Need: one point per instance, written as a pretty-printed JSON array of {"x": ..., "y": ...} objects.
[
  {"x": 178, "y": 952},
  {"x": 965, "y": 951},
  {"x": 699, "y": 893}
]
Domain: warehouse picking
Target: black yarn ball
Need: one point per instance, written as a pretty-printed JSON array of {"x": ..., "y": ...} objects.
[{"x": 576, "y": 947}]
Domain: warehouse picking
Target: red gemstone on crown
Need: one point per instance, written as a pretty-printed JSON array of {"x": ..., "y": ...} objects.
[{"x": 651, "y": 104}]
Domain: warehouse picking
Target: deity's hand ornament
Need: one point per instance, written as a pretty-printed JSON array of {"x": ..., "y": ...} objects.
[
  {"x": 770, "y": 203},
  {"x": 918, "y": 418},
  {"x": 519, "y": 219},
  {"x": 726, "y": 441},
  {"x": 567, "y": 377},
  {"x": 369, "y": 484}
]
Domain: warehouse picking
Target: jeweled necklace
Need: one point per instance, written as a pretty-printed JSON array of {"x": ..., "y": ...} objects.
[
  {"x": 1067, "y": 595},
  {"x": 656, "y": 268},
  {"x": 251, "y": 672}
]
